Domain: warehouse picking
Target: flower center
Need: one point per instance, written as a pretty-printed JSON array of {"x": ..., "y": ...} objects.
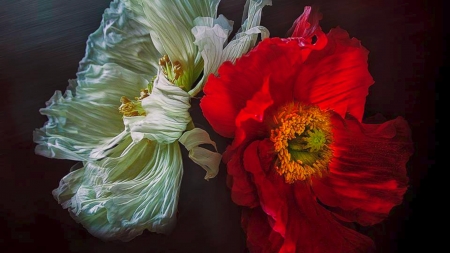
[
  {"x": 130, "y": 108},
  {"x": 301, "y": 138},
  {"x": 172, "y": 71}
]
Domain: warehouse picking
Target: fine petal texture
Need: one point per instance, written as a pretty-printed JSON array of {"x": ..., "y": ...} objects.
[
  {"x": 296, "y": 215},
  {"x": 73, "y": 129},
  {"x": 134, "y": 189},
  {"x": 337, "y": 76},
  {"x": 207, "y": 159},
  {"x": 170, "y": 23},
  {"x": 166, "y": 113},
  {"x": 302, "y": 164},
  {"x": 235, "y": 84},
  {"x": 367, "y": 175},
  {"x": 210, "y": 37}
]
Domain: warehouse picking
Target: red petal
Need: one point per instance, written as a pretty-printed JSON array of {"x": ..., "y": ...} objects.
[
  {"x": 243, "y": 191},
  {"x": 313, "y": 229},
  {"x": 273, "y": 60},
  {"x": 272, "y": 190},
  {"x": 260, "y": 236},
  {"x": 367, "y": 174},
  {"x": 293, "y": 212},
  {"x": 336, "y": 77}
]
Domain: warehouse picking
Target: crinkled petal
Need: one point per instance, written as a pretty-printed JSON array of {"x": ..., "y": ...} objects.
[
  {"x": 134, "y": 189},
  {"x": 367, "y": 175},
  {"x": 210, "y": 37},
  {"x": 272, "y": 60},
  {"x": 294, "y": 213},
  {"x": 336, "y": 77},
  {"x": 117, "y": 63},
  {"x": 243, "y": 190},
  {"x": 170, "y": 23},
  {"x": 167, "y": 113},
  {"x": 123, "y": 40},
  {"x": 76, "y": 123}
]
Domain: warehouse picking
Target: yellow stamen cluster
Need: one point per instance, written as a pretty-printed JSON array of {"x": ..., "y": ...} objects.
[
  {"x": 133, "y": 108},
  {"x": 301, "y": 138},
  {"x": 171, "y": 70}
]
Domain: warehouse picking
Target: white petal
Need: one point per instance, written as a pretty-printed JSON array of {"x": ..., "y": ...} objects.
[
  {"x": 207, "y": 159},
  {"x": 118, "y": 62},
  {"x": 134, "y": 189},
  {"x": 210, "y": 40},
  {"x": 171, "y": 22},
  {"x": 167, "y": 113}
]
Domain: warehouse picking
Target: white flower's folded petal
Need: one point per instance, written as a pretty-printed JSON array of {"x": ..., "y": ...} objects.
[
  {"x": 78, "y": 124},
  {"x": 135, "y": 188},
  {"x": 170, "y": 22},
  {"x": 210, "y": 37},
  {"x": 118, "y": 62},
  {"x": 167, "y": 113},
  {"x": 207, "y": 159},
  {"x": 121, "y": 39}
]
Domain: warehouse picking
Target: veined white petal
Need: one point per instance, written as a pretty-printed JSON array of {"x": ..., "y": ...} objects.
[
  {"x": 78, "y": 124},
  {"x": 170, "y": 22},
  {"x": 121, "y": 39},
  {"x": 207, "y": 159},
  {"x": 210, "y": 40},
  {"x": 167, "y": 113},
  {"x": 120, "y": 60},
  {"x": 134, "y": 189}
]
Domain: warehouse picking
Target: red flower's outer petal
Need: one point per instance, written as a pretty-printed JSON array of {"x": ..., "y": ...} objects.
[
  {"x": 272, "y": 190},
  {"x": 273, "y": 60},
  {"x": 367, "y": 175},
  {"x": 243, "y": 191},
  {"x": 314, "y": 229},
  {"x": 306, "y": 27},
  {"x": 293, "y": 212},
  {"x": 260, "y": 236},
  {"x": 336, "y": 77}
]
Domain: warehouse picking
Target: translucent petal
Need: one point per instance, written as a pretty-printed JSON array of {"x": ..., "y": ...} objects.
[
  {"x": 134, "y": 189},
  {"x": 171, "y": 23},
  {"x": 210, "y": 37},
  {"x": 167, "y": 113},
  {"x": 117, "y": 63},
  {"x": 207, "y": 159}
]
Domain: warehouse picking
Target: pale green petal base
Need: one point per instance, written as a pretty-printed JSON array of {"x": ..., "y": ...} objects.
[{"x": 134, "y": 189}]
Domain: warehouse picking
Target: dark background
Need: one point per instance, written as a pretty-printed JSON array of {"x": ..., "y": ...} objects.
[{"x": 42, "y": 41}]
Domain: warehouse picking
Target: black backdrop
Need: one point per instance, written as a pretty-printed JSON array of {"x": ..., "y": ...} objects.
[{"x": 41, "y": 43}]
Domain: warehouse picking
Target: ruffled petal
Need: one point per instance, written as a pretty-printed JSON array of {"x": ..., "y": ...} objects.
[
  {"x": 211, "y": 39},
  {"x": 336, "y": 77},
  {"x": 134, "y": 189},
  {"x": 76, "y": 123},
  {"x": 312, "y": 229},
  {"x": 207, "y": 159},
  {"x": 243, "y": 190},
  {"x": 272, "y": 60},
  {"x": 367, "y": 175},
  {"x": 293, "y": 212},
  {"x": 121, "y": 39},
  {"x": 116, "y": 64},
  {"x": 170, "y": 23},
  {"x": 166, "y": 116}
]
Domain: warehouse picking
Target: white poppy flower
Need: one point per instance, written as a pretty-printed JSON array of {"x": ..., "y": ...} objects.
[{"x": 131, "y": 165}]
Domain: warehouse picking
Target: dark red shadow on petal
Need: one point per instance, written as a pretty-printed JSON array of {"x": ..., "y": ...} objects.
[
  {"x": 336, "y": 77},
  {"x": 367, "y": 175}
]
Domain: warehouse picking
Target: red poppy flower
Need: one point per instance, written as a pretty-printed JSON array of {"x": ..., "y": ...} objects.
[{"x": 302, "y": 163}]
